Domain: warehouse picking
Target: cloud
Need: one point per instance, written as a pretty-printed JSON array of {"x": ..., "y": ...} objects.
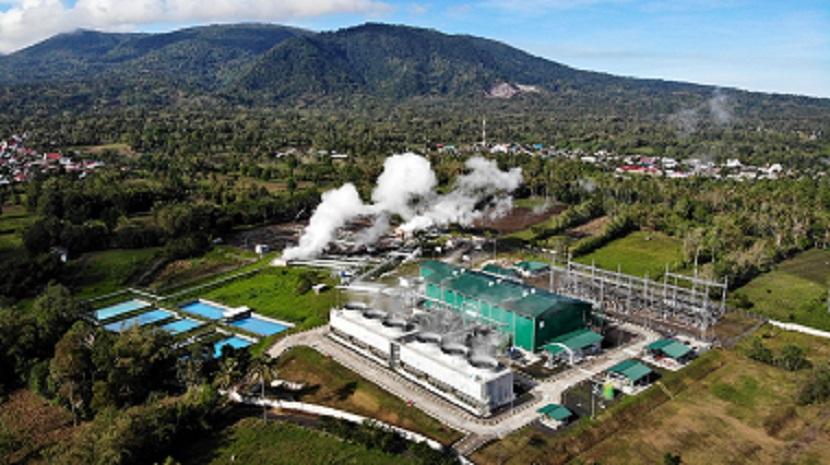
[{"x": 25, "y": 22}]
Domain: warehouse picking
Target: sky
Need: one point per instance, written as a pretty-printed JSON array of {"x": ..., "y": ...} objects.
[{"x": 764, "y": 45}]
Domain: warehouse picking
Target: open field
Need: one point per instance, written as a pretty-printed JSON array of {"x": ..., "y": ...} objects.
[
  {"x": 589, "y": 229},
  {"x": 531, "y": 230},
  {"x": 521, "y": 221},
  {"x": 278, "y": 293},
  {"x": 796, "y": 290},
  {"x": 99, "y": 273},
  {"x": 34, "y": 425},
  {"x": 735, "y": 411},
  {"x": 13, "y": 220},
  {"x": 334, "y": 385},
  {"x": 255, "y": 441},
  {"x": 182, "y": 272},
  {"x": 638, "y": 253},
  {"x": 120, "y": 149}
]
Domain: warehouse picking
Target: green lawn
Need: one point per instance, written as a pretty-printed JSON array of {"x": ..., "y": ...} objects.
[
  {"x": 254, "y": 441},
  {"x": 638, "y": 253},
  {"x": 274, "y": 292},
  {"x": 796, "y": 290},
  {"x": 336, "y": 386},
  {"x": 100, "y": 273}
]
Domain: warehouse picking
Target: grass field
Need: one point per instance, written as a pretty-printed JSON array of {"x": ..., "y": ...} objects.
[
  {"x": 638, "y": 253},
  {"x": 796, "y": 290},
  {"x": 742, "y": 412},
  {"x": 274, "y": 292},
  {"x": 336, "y": 386},
  {"x": 254, "y": 441},
  {"x": 99, "y": 273},
  {"x": 13, "y": 221},
  {"x": 184, "y": 272}
]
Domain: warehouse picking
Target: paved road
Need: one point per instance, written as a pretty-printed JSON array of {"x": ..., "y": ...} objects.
[{"x": 477, "y": 431}]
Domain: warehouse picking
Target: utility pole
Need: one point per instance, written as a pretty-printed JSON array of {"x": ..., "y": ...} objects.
[{"x": 484, "y": 132}]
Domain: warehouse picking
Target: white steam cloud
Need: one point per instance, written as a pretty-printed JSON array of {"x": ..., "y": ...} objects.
[
  {"x": 336, "y": 208},
  {"x": 718, "y": 109},
  {"x": 406, "y": 188}
]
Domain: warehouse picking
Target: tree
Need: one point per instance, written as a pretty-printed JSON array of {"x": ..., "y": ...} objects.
[
  {"x": 263, "y": 370},
  {"x": 71, "y": 369},
  {"x": 143, "y": 362},
  {"x": 54, "y": 311},
  {"x": 228, "y": 374}
]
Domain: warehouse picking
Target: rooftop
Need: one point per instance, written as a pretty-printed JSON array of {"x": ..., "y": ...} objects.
[
  {"x": 671, "y": 348},
  {"x": 556, "y": 412},
  {"x": 574, "y": 340},
  {"x": 492, "y": 268},
  {"x": 531, "y": 266},
  {"x": 522, "y": 299},
  {"x": 633, "y": 370}
]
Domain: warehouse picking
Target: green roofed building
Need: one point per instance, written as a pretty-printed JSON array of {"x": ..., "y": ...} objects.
[
  {"x": 556, "y": 412},
  {"x": 670, "y": 348},
  {"x": 574, "y": 345},
  {"x": 530, "y": 268},
  {"x": 492, "y": 268},
  {"x": 631, "y": 372},
  {"x": 532, "y": 317}
]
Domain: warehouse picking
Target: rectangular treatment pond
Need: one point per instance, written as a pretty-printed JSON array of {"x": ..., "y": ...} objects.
[
  {"x": 143, "y": 319},
  {"x": 258, "y": 325},
  {"x": 182, "y": 326},
  {"x": 205, "y": 310},
  {"x": 120, "y": 309},
  {"x": 234, "y": 341}
]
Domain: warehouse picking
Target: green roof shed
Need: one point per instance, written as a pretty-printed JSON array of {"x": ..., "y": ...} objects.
[
  {"x": 633, "y": 370},
  {"x": 556, "y": 412}
]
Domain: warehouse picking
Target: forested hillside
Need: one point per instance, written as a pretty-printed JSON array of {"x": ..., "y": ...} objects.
[{"x": 267, "y": 65}]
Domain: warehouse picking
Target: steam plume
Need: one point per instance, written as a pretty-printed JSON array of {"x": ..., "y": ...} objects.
[
  {"x": 338, "y": 206},
  {"x": 406, "y": 188}
]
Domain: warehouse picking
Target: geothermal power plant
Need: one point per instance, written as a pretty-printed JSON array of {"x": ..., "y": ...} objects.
[{"x": 450, "y": 334}]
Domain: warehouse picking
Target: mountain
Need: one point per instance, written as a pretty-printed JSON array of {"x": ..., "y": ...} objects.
[
  {"x": 270, "y": 65},
  {"x": 200, "y": 55},
  {"x": 398, "y": 62}
]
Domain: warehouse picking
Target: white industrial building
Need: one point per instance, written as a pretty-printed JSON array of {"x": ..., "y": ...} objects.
[{"x": 474, "y": 381}]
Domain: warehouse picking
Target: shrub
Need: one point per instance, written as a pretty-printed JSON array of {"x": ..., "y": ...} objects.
[
  {"x": 759, "y": 352},
  {"x": 816, "y": 388}
]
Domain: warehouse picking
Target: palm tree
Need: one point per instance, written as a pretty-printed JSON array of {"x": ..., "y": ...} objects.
[
  {"x": 263, "y": 369},
  {"x": 228, "y": 372}
]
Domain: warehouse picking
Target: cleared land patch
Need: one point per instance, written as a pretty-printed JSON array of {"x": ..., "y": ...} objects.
[
  {"x": 796, "y": 290},
  {"x": 182, "y": 272}
]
